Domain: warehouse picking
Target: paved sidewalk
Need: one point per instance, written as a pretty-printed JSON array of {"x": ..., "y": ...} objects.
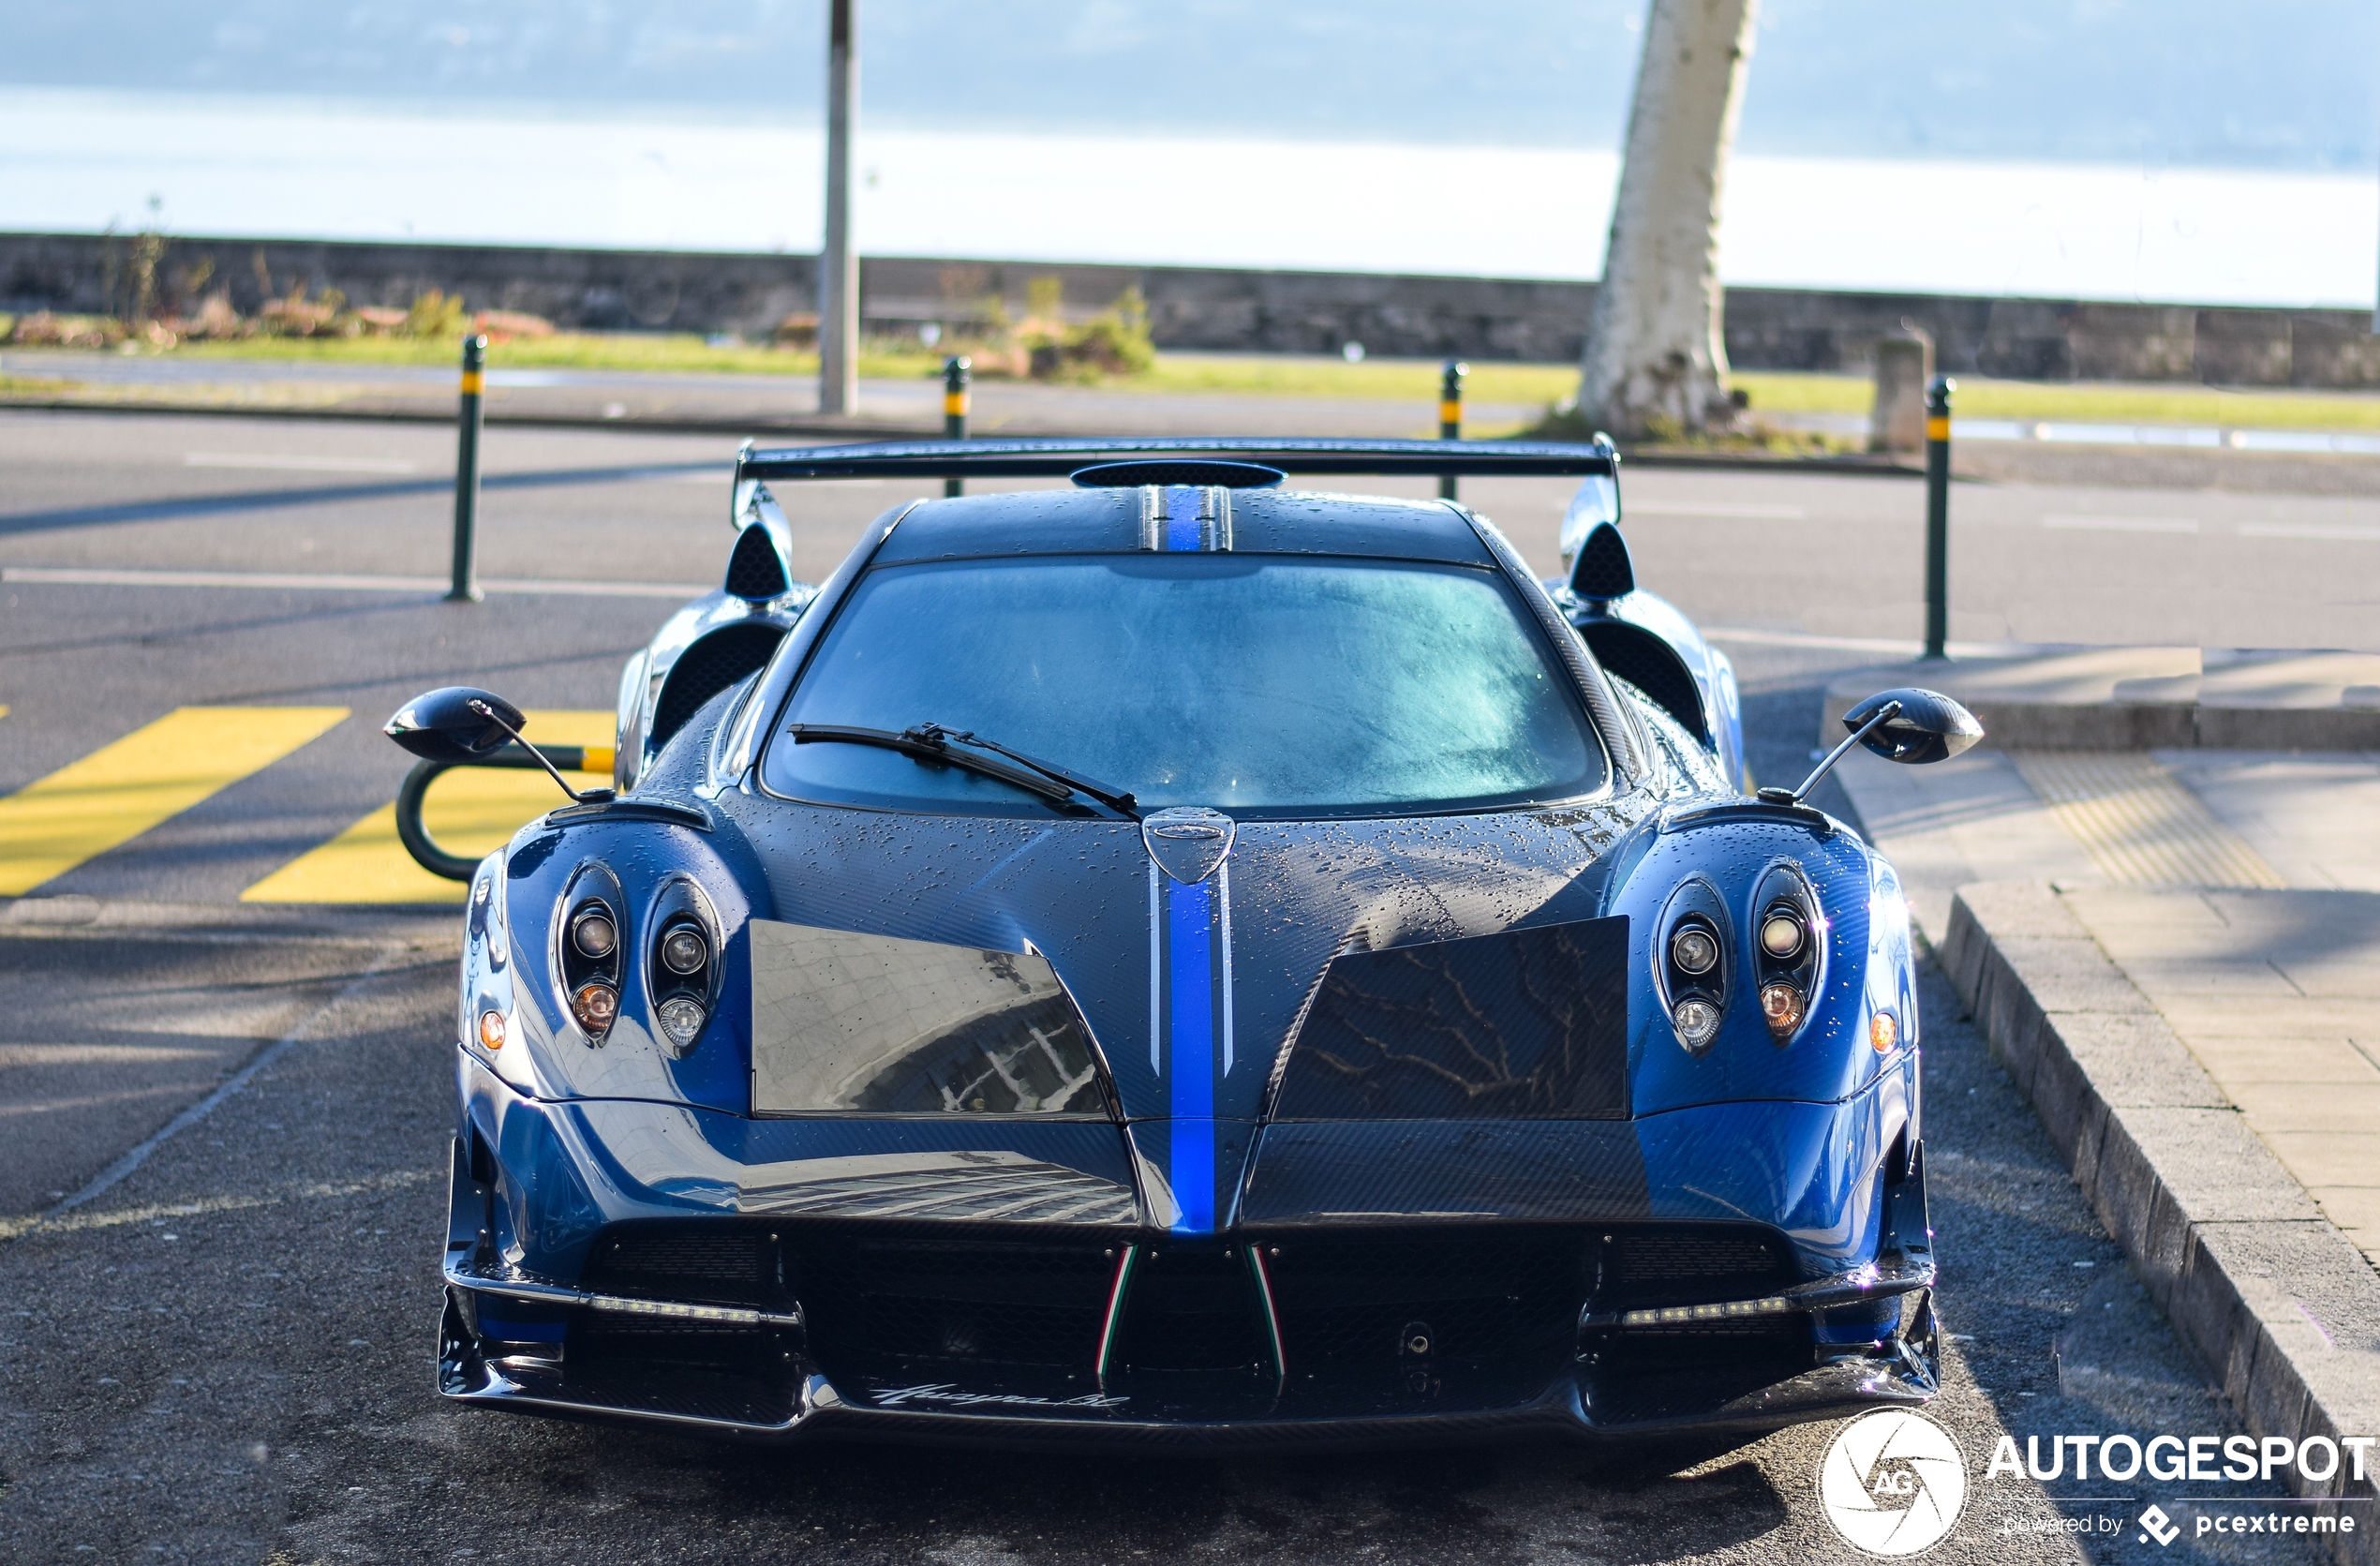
[{"x": 2238, "y": 890}]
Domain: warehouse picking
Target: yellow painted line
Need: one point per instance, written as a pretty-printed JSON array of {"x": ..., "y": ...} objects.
[
  {"x": 470, "y": 811},
  {"x": 121, "y": 790}
]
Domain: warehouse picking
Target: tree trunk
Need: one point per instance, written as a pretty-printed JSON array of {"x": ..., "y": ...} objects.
[{"x": 1655, "y": 361}]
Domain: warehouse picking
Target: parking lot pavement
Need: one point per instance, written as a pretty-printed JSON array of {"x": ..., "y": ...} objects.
[{"x": 227, "y": 1357}]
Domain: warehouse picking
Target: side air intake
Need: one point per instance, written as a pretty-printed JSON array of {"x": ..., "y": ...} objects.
[
  {"x": 709, "y": 667},
  {"x": 1603, "y": 568}
]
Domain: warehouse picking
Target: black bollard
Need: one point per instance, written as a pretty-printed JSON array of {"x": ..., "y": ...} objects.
[
  {"x": 956, "y": 372},
  {"x": 1937, "y": 516},
  {"x": 1450, "y": 416},
  {"x": 465, "y": 588}
]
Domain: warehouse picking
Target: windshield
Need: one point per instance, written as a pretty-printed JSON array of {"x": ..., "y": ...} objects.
[{"x": 1278, "y": 685}]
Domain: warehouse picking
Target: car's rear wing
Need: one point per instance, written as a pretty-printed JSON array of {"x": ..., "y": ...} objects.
[
  {"x": 1060, "y": 458},
  {"x": 1596, "y": 462}
]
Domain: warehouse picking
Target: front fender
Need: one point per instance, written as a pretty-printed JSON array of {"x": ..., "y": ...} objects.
[{"x": 1867, "y": 967}]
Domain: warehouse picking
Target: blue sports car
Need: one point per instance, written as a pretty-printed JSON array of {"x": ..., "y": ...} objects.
[{"x": 1171, "y": 957}]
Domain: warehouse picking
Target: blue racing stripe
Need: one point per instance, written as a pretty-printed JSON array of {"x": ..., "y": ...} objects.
[
  {"x": 1190, "y": 969},
  {"x": 1182, "y": 522}
]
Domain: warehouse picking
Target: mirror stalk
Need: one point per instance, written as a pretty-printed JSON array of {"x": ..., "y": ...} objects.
[
  {"x": 1795, "y": 796},
  {"x": 590, "y": 797}
]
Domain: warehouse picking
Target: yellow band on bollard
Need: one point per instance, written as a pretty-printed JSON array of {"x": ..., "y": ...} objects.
[
  {"x": 596, "y": 758},
  {"x": 470, "y": 383},
  {"x": 954, "y": 404},
  {"x": 1938, "y": 429},
  {"x": 1450, "y": 413}
]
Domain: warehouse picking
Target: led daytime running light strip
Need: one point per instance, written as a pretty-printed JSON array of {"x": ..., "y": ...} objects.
[
  {"x": 674, "y": 1310},
  {"x": 1671, "y": 1316}
]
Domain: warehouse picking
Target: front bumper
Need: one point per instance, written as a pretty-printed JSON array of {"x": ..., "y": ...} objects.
[
  {"x": 636, "y": 1263},
  {"x": 769, "y": 1389}
]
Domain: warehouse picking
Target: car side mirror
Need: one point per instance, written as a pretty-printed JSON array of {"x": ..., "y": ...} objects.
[
  {"x": 445, "y": 725},
  {"x": 1909, "y": 725},
  {"x": 1928, "y": 727},
  {"x": 459, "y": 725}
]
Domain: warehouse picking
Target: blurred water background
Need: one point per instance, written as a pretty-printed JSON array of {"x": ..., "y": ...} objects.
[{"x": 2159, "y": 150}]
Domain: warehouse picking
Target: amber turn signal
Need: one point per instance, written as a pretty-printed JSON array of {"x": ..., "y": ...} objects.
[
  {"x": 492, "y": 1029},
  {"x": 595, "y": 1006},
  {"x": 1884, "y": 1031},
  {"x": 1781, "y": 1005}
]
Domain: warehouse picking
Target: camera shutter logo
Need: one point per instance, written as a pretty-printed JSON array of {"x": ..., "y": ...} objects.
[{"x": 1892, "y": 1483}]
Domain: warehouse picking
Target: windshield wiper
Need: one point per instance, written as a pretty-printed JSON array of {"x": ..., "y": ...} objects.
[{"x": 933, "y": 742}]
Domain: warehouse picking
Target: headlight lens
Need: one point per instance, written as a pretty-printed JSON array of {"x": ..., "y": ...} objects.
[
  {"x": 682, "y": 1020},
  {"x": 684, "y": 950},
  {"x": 1782, "y": 1005},
  {"x": 1695, "y": 950},
  {"x": 1782, "y": 933},
  {"x": 595, "y": 935},
  {"x": 1697, "y": 1022}
]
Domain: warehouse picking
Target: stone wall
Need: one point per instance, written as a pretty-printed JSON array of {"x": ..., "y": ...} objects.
[{"x": 1242, "y": 311}]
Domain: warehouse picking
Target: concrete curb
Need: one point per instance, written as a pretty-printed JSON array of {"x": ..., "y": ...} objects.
[{"x": 2276, "y": 1302}]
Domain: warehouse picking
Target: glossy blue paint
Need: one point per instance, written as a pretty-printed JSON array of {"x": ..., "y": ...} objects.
[
  {"x": 1181, "y": 516},
  {"x": 1192, "y": 970}
]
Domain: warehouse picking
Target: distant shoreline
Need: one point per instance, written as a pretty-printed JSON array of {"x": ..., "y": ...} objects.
[{"x": 80, "y": 162}]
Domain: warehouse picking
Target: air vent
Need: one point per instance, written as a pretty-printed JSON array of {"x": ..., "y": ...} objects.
[
  {"x": 1604, "y": 568},
  {"x": 709, "y": 667},
  {"x": 1632, "y": 653},
  {"x": 755, "y": 570}
]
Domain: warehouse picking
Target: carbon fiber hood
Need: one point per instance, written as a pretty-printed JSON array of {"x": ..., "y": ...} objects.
[{"x": 1235, "y": 957}]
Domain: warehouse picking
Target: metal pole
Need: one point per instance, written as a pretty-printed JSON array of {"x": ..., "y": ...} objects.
[
  {"x": 838, "y": 263},
  {"x": 1938, "y": 515},
  {"x": 956, "y": 374},
  {"x": 1450, "y": 416},
  {"x": 465, "y": 588}
]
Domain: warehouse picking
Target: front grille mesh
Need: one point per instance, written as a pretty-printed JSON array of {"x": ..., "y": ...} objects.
[
  {"x": 985, "y": 1311},
  {"x": 1345, "y": 1302},
  {"x": 699, "y": 1264},
  {"x": 895, "y": 1306},
  {"x": 1643, "y": 1268}
]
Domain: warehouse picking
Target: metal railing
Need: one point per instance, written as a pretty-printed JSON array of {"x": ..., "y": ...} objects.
[{"x": 415, "y": 834}]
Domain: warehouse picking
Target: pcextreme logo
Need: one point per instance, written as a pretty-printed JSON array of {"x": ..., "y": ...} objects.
[{"x": 1892, "y": 1483}]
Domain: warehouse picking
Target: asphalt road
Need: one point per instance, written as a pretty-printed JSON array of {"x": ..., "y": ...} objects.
[{"x": 224, "y": 1354}]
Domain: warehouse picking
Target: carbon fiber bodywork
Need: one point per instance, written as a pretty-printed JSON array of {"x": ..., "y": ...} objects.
[{"x": 1393, "y": 1135}]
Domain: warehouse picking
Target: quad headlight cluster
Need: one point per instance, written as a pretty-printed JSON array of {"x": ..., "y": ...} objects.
[
  {"x": 1697, "y": 956},
  {"x": 680, "y": 962}
]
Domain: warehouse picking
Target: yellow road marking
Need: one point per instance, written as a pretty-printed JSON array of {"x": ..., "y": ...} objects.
[
  {"x": 120, "y": 791},
  {"x": 470, "y": 811}
]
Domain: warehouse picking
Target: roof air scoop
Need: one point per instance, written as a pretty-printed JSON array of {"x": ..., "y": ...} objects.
[{"x": 1177, "y": 471}]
